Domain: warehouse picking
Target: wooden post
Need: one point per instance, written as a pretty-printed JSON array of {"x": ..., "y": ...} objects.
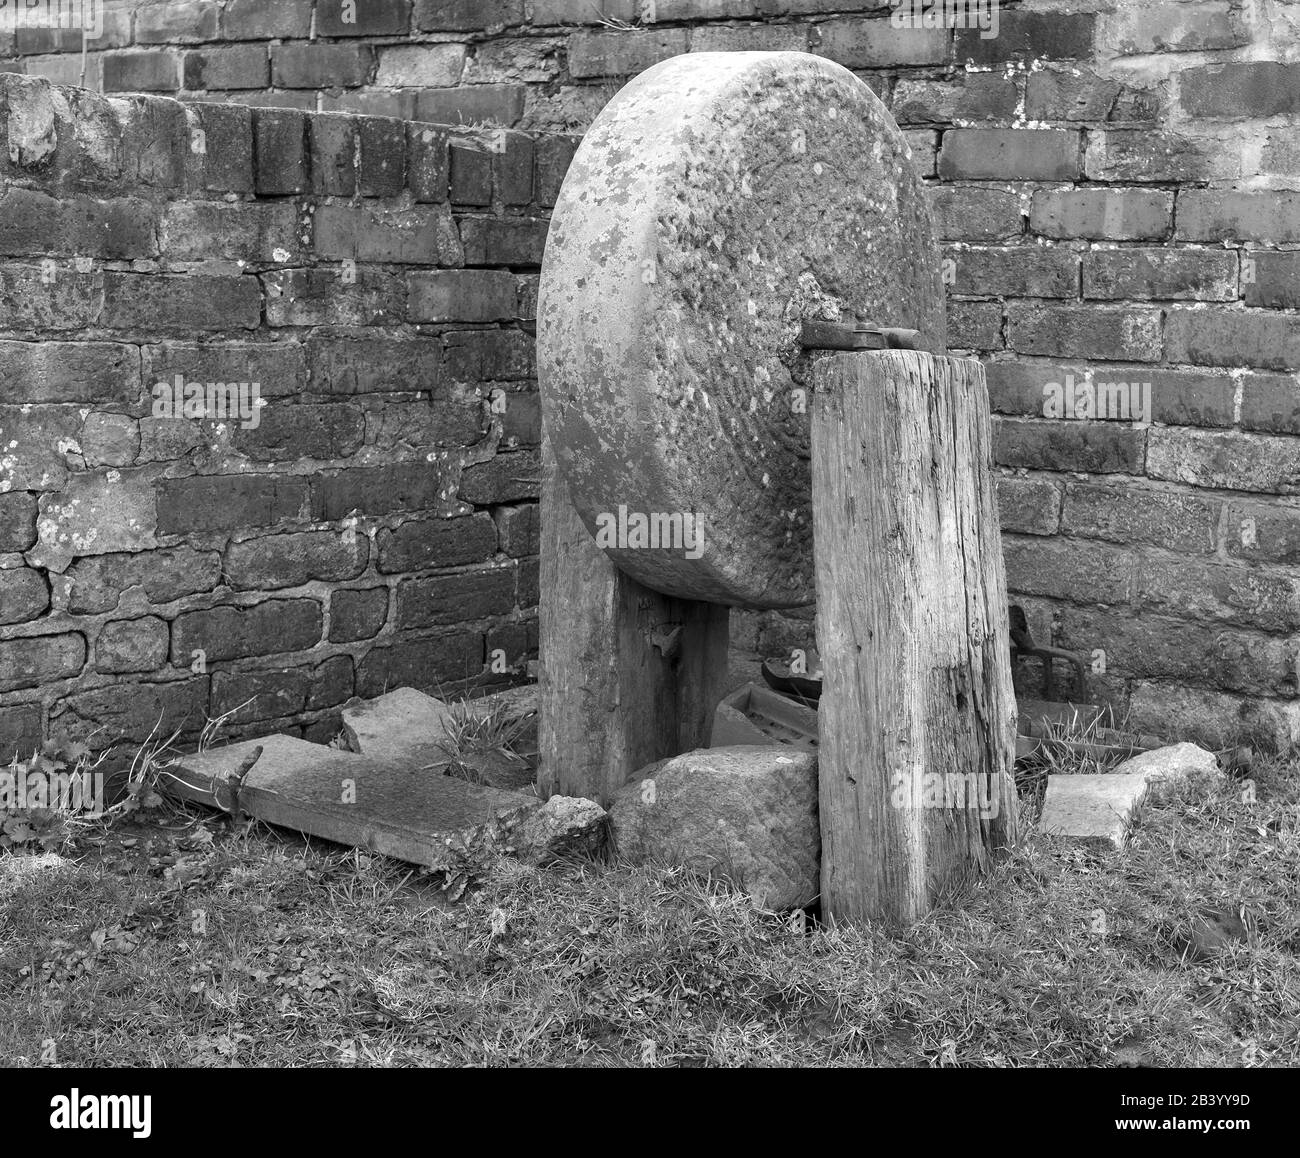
[
  {"x": 620, "y": 687},
  {"x": 917, "y": 715}
]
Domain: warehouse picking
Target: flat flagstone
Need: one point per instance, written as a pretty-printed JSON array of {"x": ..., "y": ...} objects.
[
  {"x": 1100, "y": 807},
  {"x": 404, "y": 727},
  {"x": 395, "y": 809}
]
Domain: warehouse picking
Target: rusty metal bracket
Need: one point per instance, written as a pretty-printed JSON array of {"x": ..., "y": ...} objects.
[
  {"x": 1023, "y": 646},
  {"x": 820, "y": 335},
  {"x": 667, "y": 637}
]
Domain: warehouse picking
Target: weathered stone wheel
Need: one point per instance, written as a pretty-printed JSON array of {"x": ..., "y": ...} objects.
[{"x": 718, "y": 200}]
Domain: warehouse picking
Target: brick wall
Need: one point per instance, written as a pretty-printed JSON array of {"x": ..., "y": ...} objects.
[
  {"x": 372, "y": 523},
  {"x": 1118, "y": 186}
]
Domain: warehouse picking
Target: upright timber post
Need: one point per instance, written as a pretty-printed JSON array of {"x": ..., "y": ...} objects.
[
  {"x": 628, "y": 676},
  {"x": 917, "y": 714}
]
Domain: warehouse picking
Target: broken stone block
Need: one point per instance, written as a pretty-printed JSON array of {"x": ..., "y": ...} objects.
[
  {"x": 389, "y": 808},
  {"x": 1100, "y": 808},
  {"x": 563, "y": 827},
  {"x": 410, "y": 728},
  {"x": 1175, "y": 762},
  {"x": 747, "y": 812},
  {"x": 403, "y": 727}
]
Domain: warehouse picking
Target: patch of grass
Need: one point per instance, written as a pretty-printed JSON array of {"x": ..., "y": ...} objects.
[{"x": 225, "y": 945}]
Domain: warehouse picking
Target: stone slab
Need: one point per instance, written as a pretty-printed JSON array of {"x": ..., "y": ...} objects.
[
  {"x": 395, "y": 809},
  {"x": 1100, "y": 807},
  {"x": 403, "y": 726}
]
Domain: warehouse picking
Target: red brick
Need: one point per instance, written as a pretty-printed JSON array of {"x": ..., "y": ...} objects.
[
  {"x": 471, "y": 176},
  {"x": 280, "y": 143},
  {"x": 1110, "y": 214},
  {"x": 503, "y": 240},
  {"x": 964, "y": 213},
  {"x": 377, "y": 490},
  {"x": 1036, "y": 271},
  {"x": 333, "y": 153},
  {"x": 277, "y": 367},
  {"x": 176, "y": 22},
  {"x": 1029, "y": 36},
  {"x": 977, "y": 96},
  {"x": 1225, "y": 460},
  {"x": 974, "y": 325},
  {"x": 318, "y": 297},
  {"x": 39, "y": 660},
  {"x": 133, "y": 712},
  {"x": 469, "y": 15},
  {"x": 141, "y": 71},
  {"x": 227, "y": 502},
  {"x": 1220, "y": 337},
  {"x": 1259, "y": 532},
  {"x": 98, "y": 581},
  {"x": 553, "y": 155},
  {"x": 479, "y": 104},
  {"x": 427, "y": 162},
  {"x": 357, "y": 615},
  {"x": 1138, "y": 155},
  {"x": 150, "y": 302},
  {"x": 876, "y": 44},
  {"x": 514, "y": 170},
  {"x": 278, "y": 625},
  {"x": 1220, "y": 215},
  {"x": 1151, "y": 274},
  {"x": 383, "y": 156},
  {"x": 1080, "y": 94},
  {"x": 1028, "y": 506},
  {"x": 1270, "y": 402},
  {"x": 1010, "y": 154},
  {"x": 623, "y": 53},
  {"x": 35, "y": 223},
  {"x": 1152, "y": 646},
  {"x": 287, "y": 433},
  {"x": 1220, "y": 592},
  {"x": 98, "y": 372},
  {"x": 258, "y": 20},
  {"x": 489, "y": 355},
  {"x": 1098, "y": 333},
  {"x": 519, "y": 529},
  {"x": 419, "y": 236},
  {"x": 426, "y": 664},
  {"x": 20, "y": 731},
  {"x": 462, "y": 296},
  {"x": 243, "y": 66},
  {"x": 1079, "y": 572},
  {"x": 291, "y": 560},
  {"x": 1271, "y": 279},
  {"x": 1172, "y": 520},
  {"x": 418, "y": 544},
  {"x": 1247, "y": 88},
  {"x": 362, "y": 17},
  {"x": 131, "y": 645},
  {"x": 155, "y": 141},
  {"x": 347, "y": 365},
  {"x": 321, "y": 65},
  {"x": 451, "y": 600},
  {"x": 238, "y": 231},
  {"x": 503, "y": 479},
  {"x": 1042, "y": 444},
  {"x": 226, "y": 162}
]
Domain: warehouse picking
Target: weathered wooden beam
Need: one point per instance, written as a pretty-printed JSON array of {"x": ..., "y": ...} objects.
[
  {"x": 917, "y": 714},
  {"x": 620, "y": 686}
]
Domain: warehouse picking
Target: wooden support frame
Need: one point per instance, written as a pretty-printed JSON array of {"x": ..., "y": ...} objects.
[
  {"x": 917, "y": 714},
  {"x": 627, "y": 676}
]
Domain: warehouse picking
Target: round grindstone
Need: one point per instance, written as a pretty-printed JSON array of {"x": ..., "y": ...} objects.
[{"x": 719, "y": 199}]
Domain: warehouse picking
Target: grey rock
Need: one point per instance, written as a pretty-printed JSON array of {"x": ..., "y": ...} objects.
[{"x": 748, "y": 812}]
